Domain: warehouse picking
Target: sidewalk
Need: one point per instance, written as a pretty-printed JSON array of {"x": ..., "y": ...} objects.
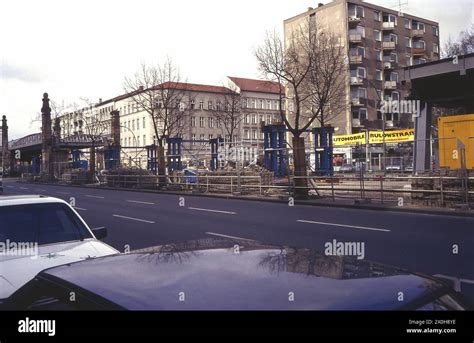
[{"x": 322, "y": 202}]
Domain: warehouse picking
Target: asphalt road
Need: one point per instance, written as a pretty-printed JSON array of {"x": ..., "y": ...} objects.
[{"x": 418, "y": 242}]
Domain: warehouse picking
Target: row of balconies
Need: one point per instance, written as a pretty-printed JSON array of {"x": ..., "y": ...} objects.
[{"x": 389, "y": 124}]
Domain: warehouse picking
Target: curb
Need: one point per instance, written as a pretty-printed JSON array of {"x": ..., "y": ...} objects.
[{"x": 281, "y": 201}]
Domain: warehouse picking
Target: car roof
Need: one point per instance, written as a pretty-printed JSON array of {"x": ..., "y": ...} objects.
[
  {"x": 257, "y": 278},
  {"x": 28, "y": 200}
]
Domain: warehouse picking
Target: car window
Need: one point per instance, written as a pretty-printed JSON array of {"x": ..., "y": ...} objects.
[{"x": 41, "y": 223}]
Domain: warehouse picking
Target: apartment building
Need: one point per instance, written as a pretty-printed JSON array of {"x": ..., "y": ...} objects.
[
  {"x": 258, "y": 103},
  {"x": 380, "y": 42}
]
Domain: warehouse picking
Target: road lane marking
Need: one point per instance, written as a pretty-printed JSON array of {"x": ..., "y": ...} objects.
[
  {"x": 23, "y": 188},
  {"x": 342, "y": 225},
  {"x": 452, "y": 278},
  {"x": 207, "y": 210},
  {"x": 80, "y": 209},
  {"x": 231, "y": 237},
  {"x": 141, "y": 202},
  {"x": 135, "y": 219},
  {"x": 95, "y": 196}
]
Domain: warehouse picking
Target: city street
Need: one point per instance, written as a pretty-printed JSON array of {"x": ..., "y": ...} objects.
[{"x": 418, "y": 242}]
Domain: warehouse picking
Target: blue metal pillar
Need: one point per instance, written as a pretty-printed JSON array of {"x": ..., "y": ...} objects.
[
  {"x": 215, "y": 152},
  {"x": 323, "y": 138},
  {"x": 151, "y": 158},
  {"x": 174, "y": 153}
]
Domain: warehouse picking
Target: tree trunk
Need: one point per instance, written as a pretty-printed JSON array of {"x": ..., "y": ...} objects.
[
  {"x": 161, "y": 167},
  {"x": 299, "y": 157}
]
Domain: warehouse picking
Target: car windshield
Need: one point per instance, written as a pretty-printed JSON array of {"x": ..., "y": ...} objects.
[{"x": 40, "y": 223}]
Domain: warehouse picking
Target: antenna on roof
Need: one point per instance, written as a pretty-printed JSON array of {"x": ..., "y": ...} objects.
[{"x": 400, "y": 7}]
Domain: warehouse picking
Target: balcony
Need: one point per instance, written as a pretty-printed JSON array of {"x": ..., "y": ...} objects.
[
  {"x": 388, "y": 45},
  {"x": 389, "y": 124},
  {"x": 388, "y": 65},
  {"x": 388, "y": 25},
  {"x": 355, "y": 38},
  {"x": 417, "y": 33},
  {"x": 390, "y": 85},
  {"x": 357, "y": 101},
  {"x": 355, "y": 59},
  {"x": 354, "y": 20},
  {"x": 356, "y": 81},
  {"x": 356, "y": 123},
  {"x": 418, "y": 51}
]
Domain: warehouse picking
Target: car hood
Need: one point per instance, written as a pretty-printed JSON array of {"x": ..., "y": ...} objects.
[
  {"x": 222, "y": 275},
  {"x": 16, "y": 270}
]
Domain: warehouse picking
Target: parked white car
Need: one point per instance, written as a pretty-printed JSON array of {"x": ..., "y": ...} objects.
[{"x": 38, "y": 232}]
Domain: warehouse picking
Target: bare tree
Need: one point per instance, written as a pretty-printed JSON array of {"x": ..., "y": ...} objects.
[
  {"x": 160, "y": 91},
  {"x": 313, "y": 68},
  {"x": 462, "y": 46},
  {"x": 228, "y": 111}
]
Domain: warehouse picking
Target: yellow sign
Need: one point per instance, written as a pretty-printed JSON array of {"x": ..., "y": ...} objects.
[
  {"x": 376, "y": 137},
  {"x": 358, "y": 138}
]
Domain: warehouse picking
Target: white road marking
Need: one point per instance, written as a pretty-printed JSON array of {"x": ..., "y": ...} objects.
[
  {"x": 231, "y": 237},
  {"x": 342, "y": 225},
  {"x": 94, "y": 196},
  {"x": 135, "y": 219},
  {"x": 206, "y": 210},
  {"x": 141, "y": 202},
  {"x": 452, "y": 278},
  {"x": 80, "y": 209},
  {"x": 23, "y": 188}
]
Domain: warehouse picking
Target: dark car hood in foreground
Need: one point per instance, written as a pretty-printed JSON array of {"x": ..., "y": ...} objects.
[{"x": 211, "y": 275}]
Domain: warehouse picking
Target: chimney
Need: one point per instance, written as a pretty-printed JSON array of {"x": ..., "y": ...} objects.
[
  {"x": 140, "y": 88},
  {"x": 100, "y": 100},
  {"x": 320, "y": 4},
  {"x": 115, "y": 127}
]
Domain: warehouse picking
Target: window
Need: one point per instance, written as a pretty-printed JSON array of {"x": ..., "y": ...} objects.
[
  {"x": 253, "y": 103},
  {"x": 356, "y": 11},
  {"x": 407, "y": 42},
  {"x": 218, "y": 105},
  {"x": 201, "y": 121},
  {"x": 407, "y": 23},
  {"x": 360, "y": 30},
  {"x": 144, "y": 122},
  {"x": 254, "y": 134},
  {"x": 435, "y": 31},
  {"x": 435, "y": 48},
  {"x": 378, "y": 75},
  {"x": 361, "y": 72},
  {"x": 363, "y": 113},
  {"x": 390, "y": 18},
  {"x": 201, "y": 138},
  {"x": 269, "y": 104},
  {"x": 211, "y": 136},
  {"x": 395, "y": 96},
  {"x": 144, "y": 140},
  {"x": 193, "y": 104},
  {"x": 269, "y": 119},
  {"x": 262, "y": 104},
  {"x": 377, "y": 16},
  {"x": 377, "y": 35},
  {"x": 419, "y": 44},
  {"x": 133, "y": 124},
  {"x": 247, "y": 134},
  {"x": 394, "y": 76},
  {"x": 247, "y": 119},
  {"x": 193, "y": 138},
  {"x": 378, "y": 55},
  {"x": 219, "y": 123},
  {"x": 211, "y": 122},
  {"x": 254, "y": 119},
  {"x": 418, "y": 26},
  {"x": 209, "y": 105},
  {"x": 244, "y": 103},
  {"x": 193, "y": 121}
]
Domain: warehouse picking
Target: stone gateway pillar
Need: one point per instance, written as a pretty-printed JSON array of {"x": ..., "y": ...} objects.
[{"x": 47, "y": 136}]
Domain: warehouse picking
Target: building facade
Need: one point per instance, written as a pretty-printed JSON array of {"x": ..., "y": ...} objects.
[
  {"x": 201, "y": 105},
  {"x": 380, "y": 43}
]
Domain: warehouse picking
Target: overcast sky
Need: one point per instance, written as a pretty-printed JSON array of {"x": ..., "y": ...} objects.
[{"x": 73, "y": 49}]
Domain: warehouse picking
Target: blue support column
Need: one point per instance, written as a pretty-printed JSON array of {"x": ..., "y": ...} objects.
[
  {"x": 323, "y": 151},
  {"x": 215, "y": 152},
  {"x": 151, "y": 158},
  {"x": 274, "y": 147},
  {"x": 174, "y": 153}
]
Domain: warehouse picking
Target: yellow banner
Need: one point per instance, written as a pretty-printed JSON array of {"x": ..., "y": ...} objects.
[
  {"x": 358, "y": 138},
  {"x": 376, "y": 137}
]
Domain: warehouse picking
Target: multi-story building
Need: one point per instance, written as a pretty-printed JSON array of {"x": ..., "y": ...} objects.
[
  {"x": 380, "y": 43},
  {"x": 201, "y": 122}
]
